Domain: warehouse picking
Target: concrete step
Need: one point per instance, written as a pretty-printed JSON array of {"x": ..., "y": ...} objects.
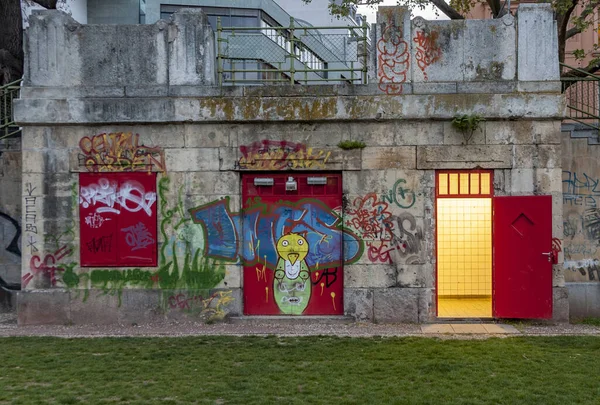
[{"x": 291, "y": 319}]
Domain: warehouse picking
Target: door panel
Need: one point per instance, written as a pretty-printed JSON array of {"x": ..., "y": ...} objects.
[
  {"x": 522, "y": 273},
  {"x": 292, "y": 245}
]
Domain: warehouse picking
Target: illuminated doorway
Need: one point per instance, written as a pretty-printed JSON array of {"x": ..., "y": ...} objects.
[{"x": 464, "y": 244}]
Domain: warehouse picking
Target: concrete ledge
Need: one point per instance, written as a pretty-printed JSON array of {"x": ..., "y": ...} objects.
[{"x": 278, "y": 109}]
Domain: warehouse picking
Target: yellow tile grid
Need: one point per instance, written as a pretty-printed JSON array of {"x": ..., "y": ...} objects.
[{"x": 464, "y": 242}]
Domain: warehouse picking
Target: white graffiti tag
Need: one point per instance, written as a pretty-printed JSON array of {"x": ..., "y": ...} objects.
[
  {"x": 131, "y": 196},
  {"x": 138, "y": 236},
  {"x": 95, "y": 220}
]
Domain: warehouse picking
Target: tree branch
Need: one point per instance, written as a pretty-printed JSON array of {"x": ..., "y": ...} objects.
[
  {"x": 495, "y": 7},
  {"x": 446, "y": 9}
]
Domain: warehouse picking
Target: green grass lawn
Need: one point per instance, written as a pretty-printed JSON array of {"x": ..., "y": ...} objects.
[{"x": 262, "y": 370}]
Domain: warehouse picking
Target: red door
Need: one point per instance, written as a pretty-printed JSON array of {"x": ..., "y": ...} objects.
[
  {"x": 523, "y": 265},
  {"x": 292, "y": 244}
]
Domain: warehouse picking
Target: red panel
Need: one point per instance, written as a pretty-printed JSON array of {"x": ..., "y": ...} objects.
[
  {"x": 118, "y": 225},
  {"x": 271, "y": 215},
  {"x": 522, "y": 273}
]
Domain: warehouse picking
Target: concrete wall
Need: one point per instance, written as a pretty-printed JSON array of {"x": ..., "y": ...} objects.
[
  {"x": 201, "y": 132},
  {"x": 113, "y": 11},
  {"x": 581, "y": 242}
]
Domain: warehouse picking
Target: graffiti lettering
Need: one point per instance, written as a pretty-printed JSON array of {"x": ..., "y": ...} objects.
[
  {"x": 582, "y": 200},
  {"x": 401, "y": 196},
  {"x": 580, "y": 184},
  {"x": 428, "y": 51},
  {"x": 102, "y": 244},
  {"x": 13, "y": 246},
  {"x": 138, "y": 236},
  {"x": 131, "y": 196},
  {"x": 322, "y": 226},
  {"x": 279, "y": 155},
  {"x": 95, "y": 220},
  {"x": 393, "y": 59},
  {"x": 119, "y": 152},
  {"x": 556, "y": 249},
  {"x": 48, "y": 267}
]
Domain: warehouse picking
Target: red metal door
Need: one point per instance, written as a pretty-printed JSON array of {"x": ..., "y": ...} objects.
[
  {"x": 292, "y": 244},
  {"x": 523, "y": 267}
]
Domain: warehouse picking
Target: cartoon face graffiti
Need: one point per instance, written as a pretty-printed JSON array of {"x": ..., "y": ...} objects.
[{"x": 291, "y": 284}]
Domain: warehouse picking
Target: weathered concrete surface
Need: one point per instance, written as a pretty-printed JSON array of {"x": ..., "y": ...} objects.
[
  {"x": 225, "y": 109},
  {"x": 200, "y": 139},
  {"x": 584, "y": 300},
  {"x": 537, "y": 43}
]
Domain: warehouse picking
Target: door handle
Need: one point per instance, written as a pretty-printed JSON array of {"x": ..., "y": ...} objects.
[{"x": 550, "y": 256}]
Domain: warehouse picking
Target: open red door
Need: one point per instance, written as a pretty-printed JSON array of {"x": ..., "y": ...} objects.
[{"x": 522, "y": 257}]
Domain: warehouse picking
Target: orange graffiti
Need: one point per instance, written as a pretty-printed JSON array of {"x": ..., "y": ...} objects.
[
  {"x": 333, "y": 300},
  {"x": 120, "y": 152},
  {"x": 279, "y": 155},
  {"x": 428, "y": 50},
  {"x": 393, "y": 59}
]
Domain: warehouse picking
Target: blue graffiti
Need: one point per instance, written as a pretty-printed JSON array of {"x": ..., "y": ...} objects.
[{"x": 252, "y": 236}]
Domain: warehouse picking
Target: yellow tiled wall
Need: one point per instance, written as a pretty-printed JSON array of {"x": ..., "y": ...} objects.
[{"x": 464, "y": 243}]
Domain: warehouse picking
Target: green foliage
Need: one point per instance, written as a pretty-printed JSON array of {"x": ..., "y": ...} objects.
[
  {"x": 300, "y": 370},
  {"x": 467, "y": 124},
  {"x": 589, "y": 321},
  {"x": 349, "y": 144}
]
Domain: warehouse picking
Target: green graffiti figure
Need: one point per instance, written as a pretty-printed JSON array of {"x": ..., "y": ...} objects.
[{"x": 291, "y": 284}]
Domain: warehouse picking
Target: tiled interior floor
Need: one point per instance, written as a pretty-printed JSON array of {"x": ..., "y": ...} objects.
[{"x": 465, "y": 307}]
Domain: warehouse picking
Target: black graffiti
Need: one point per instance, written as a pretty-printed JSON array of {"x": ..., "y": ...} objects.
[
  {"x": 327, "y": 274},
  {"x": 13, "y": 246},
  {"x": 102, "y": 244}
]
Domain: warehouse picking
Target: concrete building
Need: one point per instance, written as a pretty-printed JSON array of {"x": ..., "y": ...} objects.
[{"x": 149, "y": 192}]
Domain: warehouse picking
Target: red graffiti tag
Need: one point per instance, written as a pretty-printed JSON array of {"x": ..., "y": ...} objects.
[
  {"x": 47, "y": 267},
  {"x": 184, "y": 301},
  {"x": 556, "y": 249},
  {"x": 428, "y": 50},
  {"x": 393, "y": 59}
]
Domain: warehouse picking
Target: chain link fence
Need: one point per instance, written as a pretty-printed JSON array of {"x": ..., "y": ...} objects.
[{"x": 7, "y": 124}]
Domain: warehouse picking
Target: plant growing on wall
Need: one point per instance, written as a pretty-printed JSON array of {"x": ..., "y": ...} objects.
[
  {"x": 349, "y": 144},
  {"x": 467, "y": 124}
]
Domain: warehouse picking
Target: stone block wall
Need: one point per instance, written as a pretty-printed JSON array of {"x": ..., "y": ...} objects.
[{"x": 195, "y": 139}]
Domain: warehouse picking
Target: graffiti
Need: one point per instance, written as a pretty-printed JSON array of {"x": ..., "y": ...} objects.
[
  {"x": 385, "y": 234},
  {"x": 13, "y": 245},
  {"x": 214, "y": 303},
  {"x": 587, "y": 267},
  {"x": 119, "y": 152},
  {"x": 279, "y": 155},
  {"x": 102, "y": 244},
  {"x": 291, "y": 284},
  {"x": 580, "y": 184},
  {"x": 556, "y": 249},
  {"x": 48, "y": 267},
  {"x": 95, "y": 220},
  {"x": 591, "y": 223},
  {"x": 130, "y": 196},
  {"x": 393, "y": 59},
  {"x": 581, "y": 200},
  {"x": 428, "y": 50},
  {"x": 323, "y": 230},
  {"x": 30, "y": 218},
  {"x": 583, "y": 249},
  {"x": 138, "y": 236},
  {"x": 399, "y": 195},
  {"x": 330, "y": 276}
]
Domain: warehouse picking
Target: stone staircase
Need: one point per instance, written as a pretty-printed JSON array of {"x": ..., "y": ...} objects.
[{"x": 581, "y": 131}]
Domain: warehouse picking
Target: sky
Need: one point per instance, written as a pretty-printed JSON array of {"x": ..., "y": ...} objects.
[{"x": 428, "y": 14}]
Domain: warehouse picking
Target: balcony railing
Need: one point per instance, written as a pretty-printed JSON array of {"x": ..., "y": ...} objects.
[
  {"x": 582, "y": 97},
  {"x": 292, "y": 55},
  {"x": 8, "y": 93}
]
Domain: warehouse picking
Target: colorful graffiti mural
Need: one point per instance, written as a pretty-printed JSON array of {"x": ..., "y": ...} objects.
[
  {"x": 386, "y": 236},
  {"x": 234, "y": 237},
  {"x": 428, "y": 50},
  {"x": 393, "y": 59},
  {"x": 120, "y": 152},
  {"x": 280, "y": 155},
  {"x": 291, "y": 283}
]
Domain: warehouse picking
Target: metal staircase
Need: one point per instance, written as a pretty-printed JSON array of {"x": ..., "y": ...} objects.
[
  {"x": 582, "y": 95},
  {"x": 8, "y": 92}
]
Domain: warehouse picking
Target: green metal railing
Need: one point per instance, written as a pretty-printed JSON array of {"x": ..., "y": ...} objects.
[
  {"x": 292, "y": 55},
  {"x": 8, "y": 93},
  {"x": 582, "y": 96}
]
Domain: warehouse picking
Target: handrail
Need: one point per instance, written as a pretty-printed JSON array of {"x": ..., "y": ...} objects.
[
  {"x": 582, "y": 94},
  {"x": 8, "y": 93},
  {"x": 296, "y": 54}
]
